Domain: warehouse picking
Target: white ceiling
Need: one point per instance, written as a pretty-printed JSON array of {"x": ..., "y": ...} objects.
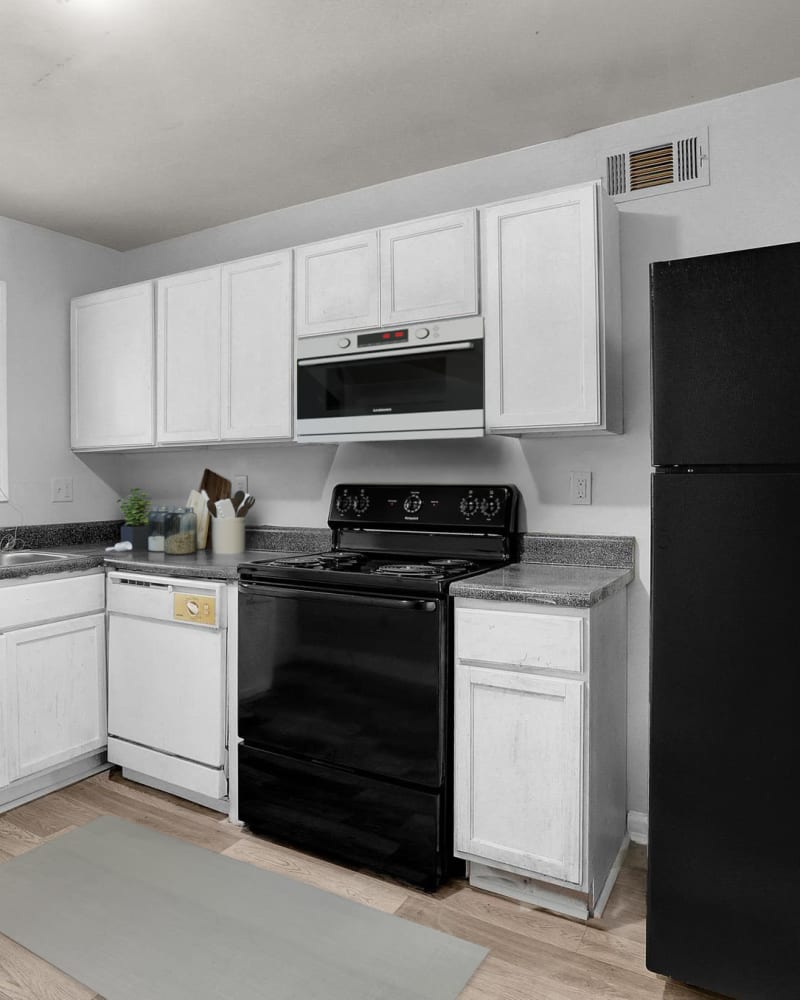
[{"x": 126, "y": 122}]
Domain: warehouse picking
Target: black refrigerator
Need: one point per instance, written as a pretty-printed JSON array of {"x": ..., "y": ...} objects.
[{"x": 723, "y": 893}]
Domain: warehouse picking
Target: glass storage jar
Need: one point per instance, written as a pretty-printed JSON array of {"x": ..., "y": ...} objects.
[
  {"x": 180, "y": 535},
  {"x": 156, "y": 526}
]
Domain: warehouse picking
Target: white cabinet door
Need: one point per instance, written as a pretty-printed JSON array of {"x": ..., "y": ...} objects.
[
  {"x": 518, "y": 770},
  {"x": 429, "y": 269},
  {"x": 54, "y": 697},
  {"x": 336, "y": 285},
  {"x": 112, "y": 368},
  {"x": 188, "y": 334},
  {"x": 541, "y": 307},
  {"x": 257, "y": 348}
]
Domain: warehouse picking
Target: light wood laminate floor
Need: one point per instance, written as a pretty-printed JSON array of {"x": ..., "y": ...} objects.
[{"x": 534, "y": 955}]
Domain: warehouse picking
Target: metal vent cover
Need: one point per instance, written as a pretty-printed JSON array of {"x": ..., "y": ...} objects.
[{"x": 668, "y": 163}]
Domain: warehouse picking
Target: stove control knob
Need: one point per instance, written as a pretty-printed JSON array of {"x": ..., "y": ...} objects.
[
  {"x": 468, "y": 506},
  {"x": 343, "y": 503},
  {"x": 343, "y": 342},
  {"x": 490, "y": 506},
  {"x": 423, "y": 333},
  {"x": 360, "y": 503},
  {"x": 412, "y": 504}
]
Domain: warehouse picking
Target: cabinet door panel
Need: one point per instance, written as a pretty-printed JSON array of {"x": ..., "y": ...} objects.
[
  {"x": 542, "y": 312},
  {"x": 188, "y": 324},
  {"x": 429, "y": 269},
  {"x": 257, "y": 348},
  {"x": 112, "y": 368},
  {"x": 518, "y": 770},
  {"x": 337, "y": 285},
  {"x": 55, "y": 697}
]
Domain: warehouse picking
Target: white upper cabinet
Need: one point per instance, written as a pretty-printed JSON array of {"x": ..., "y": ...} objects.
[
  {"x": 429, "y": 269},
  {"x": 336, "y": 285},
  {"x": 552, "y": 313},
  {"x": 188, "y": 336},
  {"x": 112, "y": 368},
  {"x": 257, "y": 348}
]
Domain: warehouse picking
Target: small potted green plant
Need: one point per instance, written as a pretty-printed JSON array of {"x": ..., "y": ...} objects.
[{"x": 135, "y": 507}]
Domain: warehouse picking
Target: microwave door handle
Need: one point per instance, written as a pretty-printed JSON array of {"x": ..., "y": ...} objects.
[
  {"x": 413, "y": 604},
  {"x": 411, "y": 352}
]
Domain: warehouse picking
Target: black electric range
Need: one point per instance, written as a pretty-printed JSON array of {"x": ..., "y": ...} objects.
[{"x": 345, "y": 675}]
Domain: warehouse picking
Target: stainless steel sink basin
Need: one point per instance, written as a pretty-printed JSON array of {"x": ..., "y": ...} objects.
[{"x": 25, "y": 558}]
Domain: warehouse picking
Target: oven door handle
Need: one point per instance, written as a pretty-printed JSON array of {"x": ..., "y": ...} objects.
[
  {"x": 392, "y": 354},
  {"x": 397, "y": 603}
]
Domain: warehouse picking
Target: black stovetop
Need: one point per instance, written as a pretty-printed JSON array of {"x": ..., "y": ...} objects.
[{"x": 399, "y": 537}]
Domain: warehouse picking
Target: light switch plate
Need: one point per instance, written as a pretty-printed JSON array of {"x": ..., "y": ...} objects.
[{"x": 240, "y": 483}]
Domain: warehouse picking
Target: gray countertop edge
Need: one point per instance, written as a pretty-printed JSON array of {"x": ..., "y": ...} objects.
[
  {"x": 204, "y": 565},
  {"x": 538, "y": 583}
]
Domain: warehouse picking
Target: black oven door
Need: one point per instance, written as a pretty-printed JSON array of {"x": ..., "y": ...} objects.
[
  {"x": 422, "y": 380},
  {"x": 353, "y": 681}
]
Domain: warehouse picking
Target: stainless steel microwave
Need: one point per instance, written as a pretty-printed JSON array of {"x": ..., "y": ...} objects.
[{"x": 423, "y": 381}]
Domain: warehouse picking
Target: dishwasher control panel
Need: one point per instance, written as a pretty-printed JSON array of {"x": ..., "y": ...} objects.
[{"x": 200, "y": 609}]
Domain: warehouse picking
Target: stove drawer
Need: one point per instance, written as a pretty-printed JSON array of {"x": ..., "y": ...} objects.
[{"x": 520, "y": 638}]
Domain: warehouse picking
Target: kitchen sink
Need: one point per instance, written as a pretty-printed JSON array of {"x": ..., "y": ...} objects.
[{"x": 25, "y": 558}]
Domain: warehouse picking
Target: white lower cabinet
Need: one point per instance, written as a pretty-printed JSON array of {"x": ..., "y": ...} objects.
[
  {"x": 540, "y": 755},
  {"x": 52, "y": 685},
  {"x": 55, "y": 699}
]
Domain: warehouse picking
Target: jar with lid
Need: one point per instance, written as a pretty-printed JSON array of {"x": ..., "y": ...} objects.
[
  {"x": 156, "y": 525},
  {"x": 180, "y": 532}
]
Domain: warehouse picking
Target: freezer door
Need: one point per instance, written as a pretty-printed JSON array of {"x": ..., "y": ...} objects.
[
  {"x": 724, "y": 867},
  {"x": 726, "y": 357}
]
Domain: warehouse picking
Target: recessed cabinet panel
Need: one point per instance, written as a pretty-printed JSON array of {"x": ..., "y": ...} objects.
[
  {"x": 337, "y": 285},
  {"x": 112, "y": 368},
  {"x": 188, "y": 321},
  {"x": 257, "y": 348},
  {"x": 518, "y": 761},
  {"x": 543, "y": 313},
  {"x": 429, "y": 269},
  {"x": 55, "y": 693}
]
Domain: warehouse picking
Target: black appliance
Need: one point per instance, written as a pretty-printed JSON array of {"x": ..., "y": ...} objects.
[
  {"x": 724, "y": 863},
  {"x": 345, "y": 676}
]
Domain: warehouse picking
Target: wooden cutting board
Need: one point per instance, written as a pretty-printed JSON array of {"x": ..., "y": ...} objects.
[{"x": 217, "y": 487}]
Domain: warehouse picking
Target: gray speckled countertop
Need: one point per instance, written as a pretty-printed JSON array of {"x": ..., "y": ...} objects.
[
  {"x": 538, "y": 583},
  {"x": 79, "y": 558}
]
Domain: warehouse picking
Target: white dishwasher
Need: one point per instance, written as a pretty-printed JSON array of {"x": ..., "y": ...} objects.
[{"x": 167, "y": 684}]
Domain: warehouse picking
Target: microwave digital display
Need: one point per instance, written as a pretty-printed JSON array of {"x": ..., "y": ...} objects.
[{"x": 382, "y": 337}]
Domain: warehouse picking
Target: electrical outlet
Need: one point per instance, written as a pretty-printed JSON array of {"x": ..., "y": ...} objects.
[
  {"x": 240, "y": 483},
  {"x": 580, "y": 487},
  {"x": 61, "y": 490}
]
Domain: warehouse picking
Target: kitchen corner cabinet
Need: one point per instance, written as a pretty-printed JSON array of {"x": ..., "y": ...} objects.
[
  {"x": 112, "y": 369},
  {"x": 414, "y": 272},
  {"x": 188, "y": 339},
  {"x": 540, "y": 750},
  {"x": 52, "y": 684},
  {"x": 551, "y": 300}
]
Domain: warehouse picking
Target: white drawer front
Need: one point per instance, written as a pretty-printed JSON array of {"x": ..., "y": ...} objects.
[
  {"x": 29, "y": 603},
  {"x": 521, "y": 639}
]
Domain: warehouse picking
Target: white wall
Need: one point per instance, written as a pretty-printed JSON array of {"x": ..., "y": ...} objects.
[
  {"x": 42, "y": 271},
  {"x": 753, "y": 199}
]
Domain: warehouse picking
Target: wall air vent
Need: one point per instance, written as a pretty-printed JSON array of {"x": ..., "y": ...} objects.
[{"x": 666, "y": 164}]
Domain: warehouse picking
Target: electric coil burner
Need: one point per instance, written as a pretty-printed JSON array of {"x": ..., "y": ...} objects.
[{"x": 345, "y": 675}]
